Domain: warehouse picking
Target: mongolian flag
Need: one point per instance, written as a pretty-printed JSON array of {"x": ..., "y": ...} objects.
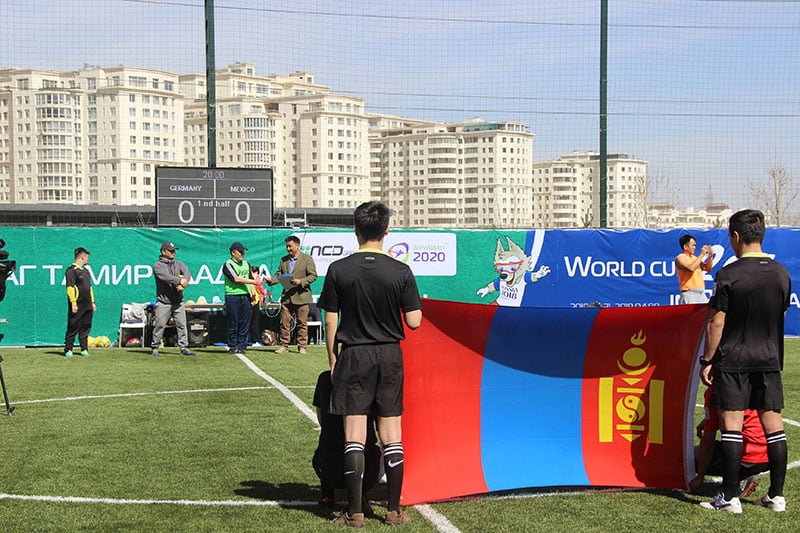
[{"x": 500, "y": 398}]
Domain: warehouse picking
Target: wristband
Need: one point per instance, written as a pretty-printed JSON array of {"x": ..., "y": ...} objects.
[{"x": 705, "y": 362}]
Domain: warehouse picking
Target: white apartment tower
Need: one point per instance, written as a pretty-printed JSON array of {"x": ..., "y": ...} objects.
[
  {"x": 472, "y": 174},
  {"x": 315, "y": 142},
  {"x": 566, "y": 192},
  {"x": 91, "y": 136}
]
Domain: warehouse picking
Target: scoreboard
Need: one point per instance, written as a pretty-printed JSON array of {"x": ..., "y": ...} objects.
[{"x": 214, "y": 197}]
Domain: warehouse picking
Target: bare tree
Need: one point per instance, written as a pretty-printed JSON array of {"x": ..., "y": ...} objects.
[
  {"x": 587, "y": 217},
  {"x": 776, "y": 197},
  {"x": 652, "y": 189}
]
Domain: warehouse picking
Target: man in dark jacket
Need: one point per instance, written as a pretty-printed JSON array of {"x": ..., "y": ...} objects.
[{"x": 172, "y": 277}]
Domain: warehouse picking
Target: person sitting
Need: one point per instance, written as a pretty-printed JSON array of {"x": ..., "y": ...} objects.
[
  {"x": 708, "y": 457},
  {"x": 328, "y": 460}
]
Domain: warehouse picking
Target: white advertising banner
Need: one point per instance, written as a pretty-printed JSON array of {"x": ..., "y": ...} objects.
[{"x": 428, "y": 253}]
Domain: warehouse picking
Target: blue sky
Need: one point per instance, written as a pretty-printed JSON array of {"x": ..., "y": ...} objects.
[{"x": 706, "y": 91}]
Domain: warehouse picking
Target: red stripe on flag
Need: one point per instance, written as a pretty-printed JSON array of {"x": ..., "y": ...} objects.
[
  {"x": 443, "y": 360},
  {"x": 637, "y": 375}
]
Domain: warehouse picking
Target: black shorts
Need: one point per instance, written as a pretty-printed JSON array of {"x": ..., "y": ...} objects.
[
  {"x": 737, "y": 391},
  {"x": 367, "y": 377}
]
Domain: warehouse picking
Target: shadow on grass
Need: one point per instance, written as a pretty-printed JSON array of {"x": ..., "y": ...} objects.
[
  {"x": 287, "y": 492},
  {"x": 263, "y": 490},
  {"x": 298, "y": 493}
]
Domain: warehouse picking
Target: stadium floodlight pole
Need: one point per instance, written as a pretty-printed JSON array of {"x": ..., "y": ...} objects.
[
  {"x": 603, "y": 113},
  {"x": 211, "y": 85}
]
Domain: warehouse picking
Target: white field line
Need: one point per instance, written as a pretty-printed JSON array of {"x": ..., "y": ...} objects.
[
  {"x": 438, "y": 520},
  {"x": 132, "y": 394},
  {"x": 122, "y": 501},
  {"x": 292, "y": 397}
]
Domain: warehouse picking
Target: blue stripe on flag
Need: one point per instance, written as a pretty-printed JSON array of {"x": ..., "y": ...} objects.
[{"x": 531, "y": 397}]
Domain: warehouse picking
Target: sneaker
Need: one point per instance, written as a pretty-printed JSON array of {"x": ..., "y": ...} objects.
[
  {"x": 154, "y": 353},
  {"x": 85, "y": 353},
  {"x": 68, "y": 354},
  {"x": 256, "y": 345},
  {"x": 282, "y": 349},
  {"x": 345, "y": 519},
  {"x": 186, "y": 351},
  {"x": 748, "y": 485},
  {"x": 302, "y": 351},
  {"x": 718, "y": 503},
  {"x": 396, "y": 518},
  {"x": 776, "y": 503}
]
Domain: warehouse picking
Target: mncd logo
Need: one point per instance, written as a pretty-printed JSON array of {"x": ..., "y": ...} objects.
[{"x": 399, "y": 251}]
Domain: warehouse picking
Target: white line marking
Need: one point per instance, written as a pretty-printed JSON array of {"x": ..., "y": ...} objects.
[
  {"x": 439, "y": 521},
  {"x": 131, "y": 394},
  {"x": 292, "y": 397},
  {"x": 118, "y": 501}
]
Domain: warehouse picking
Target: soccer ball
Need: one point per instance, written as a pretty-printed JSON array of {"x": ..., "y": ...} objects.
[
  {"x": 92, "y": 342},
  {"x": 103, "y": 341},
  {"x": 133, "y": 342}
]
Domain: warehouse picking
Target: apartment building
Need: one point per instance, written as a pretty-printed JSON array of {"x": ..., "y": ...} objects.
[
  {"x": 566, "y": 192},
  {"x": 95, "y": 136},
  {"x": 668, "y": 216},
  {"x": 471, "y": 174},
  {"x": 316, "y": 142},
  {"x": 92, "y": 136}
]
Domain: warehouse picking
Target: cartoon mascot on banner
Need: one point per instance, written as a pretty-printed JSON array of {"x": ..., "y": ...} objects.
[{"x": 515, "y": 269}]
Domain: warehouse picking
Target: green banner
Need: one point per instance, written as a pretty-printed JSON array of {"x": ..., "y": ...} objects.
[{"x": 121, "y": 263}]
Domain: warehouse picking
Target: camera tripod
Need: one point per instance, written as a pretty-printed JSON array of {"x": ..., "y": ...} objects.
[{"x": 9, "y": 407}]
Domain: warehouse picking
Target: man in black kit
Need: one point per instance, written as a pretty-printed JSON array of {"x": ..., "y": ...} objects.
[
  {"x": 743, "y": 356},
  {"x": 80, "y": 303},
  {"x": 366, "y": 297}
]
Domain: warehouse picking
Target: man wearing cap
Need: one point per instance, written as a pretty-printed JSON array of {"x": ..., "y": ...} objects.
[
  {"x": 238, "y": 310},
  {"x": 172, "y": 277}
]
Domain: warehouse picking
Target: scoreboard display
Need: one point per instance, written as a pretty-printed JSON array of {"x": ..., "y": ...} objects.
[{"x": 214, "y": 197}]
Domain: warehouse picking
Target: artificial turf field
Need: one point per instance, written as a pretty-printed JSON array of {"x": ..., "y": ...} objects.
[{"x": 122, "y": 441}]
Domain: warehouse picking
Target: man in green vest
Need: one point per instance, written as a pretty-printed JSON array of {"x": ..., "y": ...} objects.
[{"x": 238, "y": 280}]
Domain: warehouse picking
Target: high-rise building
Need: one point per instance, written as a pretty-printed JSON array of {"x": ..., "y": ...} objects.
[
  {"x": 96, "y": 135},
  {"x": 315, "y": 142},
  {"x": 566, "y": 192},
  {"x": 92, "y": 136},
  {"x": 472, "y": 174}
]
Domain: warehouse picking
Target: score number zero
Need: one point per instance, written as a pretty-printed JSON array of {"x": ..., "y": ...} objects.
[{"x": 186, "y": 211}]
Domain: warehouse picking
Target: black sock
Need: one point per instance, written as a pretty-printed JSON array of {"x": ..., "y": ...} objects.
[
  {"x": 353, "y": 474},
  {"x": 732, "y": 449},
  {"x": 777, "y": 453},
  {"x": 393, "y": 460}
]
